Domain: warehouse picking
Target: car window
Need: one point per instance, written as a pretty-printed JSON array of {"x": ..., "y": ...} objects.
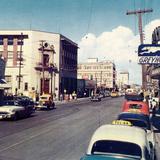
[
  {"x": 116, "y": 147},
  {"x": 9, "y": 102},
  {"x": 43, "y": 98},
  {"x": 135, "y": 106},
  {"x": 138, "y": 123}
]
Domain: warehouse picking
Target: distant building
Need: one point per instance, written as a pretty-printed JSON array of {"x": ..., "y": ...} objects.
[
  {"x": 104, "y": 72},
  {"x": 38, "y": 61},
  {"x": 123, "y": 79}
]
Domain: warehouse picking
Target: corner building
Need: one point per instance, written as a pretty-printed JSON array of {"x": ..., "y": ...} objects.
[{"x": 39, "y": 62}]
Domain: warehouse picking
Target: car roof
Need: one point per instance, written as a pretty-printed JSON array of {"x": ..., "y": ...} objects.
[
  {"x": 122, "y": 133},
  {"x": 104, "y": 157},
  {"x": 135, "y": 116}
]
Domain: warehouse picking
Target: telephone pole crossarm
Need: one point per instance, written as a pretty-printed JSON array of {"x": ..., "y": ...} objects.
[{"x": 139, "y": 11}]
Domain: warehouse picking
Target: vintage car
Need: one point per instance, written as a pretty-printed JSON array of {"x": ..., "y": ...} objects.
[
  {"x": 136, "y": 106},
  {"x": 134, "y": 97},
  {"x": 112, "y": 141},
  {"x": 140, "y": 120},
  {"x": 114, "y": 94},
  {"x": 45, "y": 102},
  {"x": 96, "y": 98},
  {"x": 19, "y": 107}
]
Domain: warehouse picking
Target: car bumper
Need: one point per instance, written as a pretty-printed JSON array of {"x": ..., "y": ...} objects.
[{"x": 6, "y": 116}]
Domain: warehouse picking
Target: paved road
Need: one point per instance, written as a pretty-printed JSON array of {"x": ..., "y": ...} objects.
[{"x": 60, "y": 134}]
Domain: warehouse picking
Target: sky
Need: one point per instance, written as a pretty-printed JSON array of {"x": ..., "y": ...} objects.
[{"x": 101, "y": 28}]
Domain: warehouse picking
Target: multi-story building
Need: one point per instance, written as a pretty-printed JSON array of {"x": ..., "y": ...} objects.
[
  {"x": 123, "y": 79},
  {"x": 104, "y": 72},
  {"x": 38, "y": 61}
]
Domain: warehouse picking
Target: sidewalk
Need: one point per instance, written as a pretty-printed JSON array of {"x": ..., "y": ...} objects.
[{"x": 57, "y": 103}]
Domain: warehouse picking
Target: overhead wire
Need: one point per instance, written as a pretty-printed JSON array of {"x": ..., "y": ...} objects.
[
  {"x": 135, "y": 19},
  {"x": 90, "y": 17}
]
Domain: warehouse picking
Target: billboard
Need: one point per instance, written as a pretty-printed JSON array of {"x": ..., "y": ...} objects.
[{"x": 149, "y": 54}]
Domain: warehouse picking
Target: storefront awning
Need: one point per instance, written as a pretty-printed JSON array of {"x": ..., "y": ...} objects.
[{"x": 4, "y": 84}]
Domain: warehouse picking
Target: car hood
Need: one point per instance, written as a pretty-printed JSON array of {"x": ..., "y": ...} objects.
[{"x": 9, "y": 108}]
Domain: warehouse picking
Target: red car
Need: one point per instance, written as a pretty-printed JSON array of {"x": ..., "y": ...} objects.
[{"x": 136, "y": 107}]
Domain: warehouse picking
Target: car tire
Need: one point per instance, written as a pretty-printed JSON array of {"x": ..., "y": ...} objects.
[
  {"x": 53, "y": 105},
  {"x": 16, "y": 116}
]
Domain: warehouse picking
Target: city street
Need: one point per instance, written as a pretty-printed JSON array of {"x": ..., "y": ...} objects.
[{"x": 59, "y": 134}]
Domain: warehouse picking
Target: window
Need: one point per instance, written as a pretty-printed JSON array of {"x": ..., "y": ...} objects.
[
  {"x": 26, "y": 86},
  {"x": 8, "y": 79},
  {"x": 46, "y": 60},
  {"x": 116, "y": 147},
  {"x": 135, "y": 106}
]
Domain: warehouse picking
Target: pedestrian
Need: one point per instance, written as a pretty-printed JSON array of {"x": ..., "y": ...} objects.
[
  {"x": 154, "y": 106},
  {"x": 61, "y": 97}
]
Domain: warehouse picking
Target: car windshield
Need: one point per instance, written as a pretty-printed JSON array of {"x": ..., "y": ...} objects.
[
  {"x": 22, "y": 102},
  {"x": 116, "y": 147}
]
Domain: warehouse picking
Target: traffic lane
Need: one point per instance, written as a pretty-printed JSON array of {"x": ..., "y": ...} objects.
[
  {"x": 64, "y": 138},
  {"x": 42, "y": 117},
  {"x": 8, "y": 127}
]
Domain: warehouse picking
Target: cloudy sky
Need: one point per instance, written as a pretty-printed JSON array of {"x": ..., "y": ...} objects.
[{"x": 100, "y": 27}]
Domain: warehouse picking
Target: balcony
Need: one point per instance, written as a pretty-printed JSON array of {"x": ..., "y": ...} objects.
[{"x": 50, "y": 68}]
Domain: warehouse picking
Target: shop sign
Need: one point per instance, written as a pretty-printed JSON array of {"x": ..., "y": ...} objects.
[
  {"x": 90, "y": 84},
  {"x": 149, "y": 54}
]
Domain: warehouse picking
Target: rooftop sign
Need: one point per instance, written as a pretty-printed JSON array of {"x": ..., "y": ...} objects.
[{"x": 149, "y": 54}]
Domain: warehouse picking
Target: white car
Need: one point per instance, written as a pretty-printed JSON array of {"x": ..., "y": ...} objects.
[
  {"x": 120, "y": 141},
  {"x": 11, "y": 112},
  {"x": 15, "y": 109}
]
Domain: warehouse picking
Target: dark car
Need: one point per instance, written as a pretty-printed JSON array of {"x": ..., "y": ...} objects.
[{"x": 139, "y": 120}]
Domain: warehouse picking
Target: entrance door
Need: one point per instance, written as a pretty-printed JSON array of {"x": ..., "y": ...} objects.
[{"x": 46, "y": 86}]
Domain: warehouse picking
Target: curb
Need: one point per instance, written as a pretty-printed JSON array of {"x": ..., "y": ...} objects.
[{"x": 70, "y": 101}]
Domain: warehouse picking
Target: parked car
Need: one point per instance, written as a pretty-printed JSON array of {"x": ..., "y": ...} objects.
[
  {"x": 119, "y": 142},
  {"x": 45, "y": 102},
  {"x": 19, "y": 107},
  {"x": 136, "y": 106},
  {"x": 96, "y": 98},
  {"x": 134, "y": 97},
  {"x": 114, "y": 94},
  {"x": 140, "y": 120}
]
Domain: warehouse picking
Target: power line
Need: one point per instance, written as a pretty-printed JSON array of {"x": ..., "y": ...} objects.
[{"x": 90, "y": 16}]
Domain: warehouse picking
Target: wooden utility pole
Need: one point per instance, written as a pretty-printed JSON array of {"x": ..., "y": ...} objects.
[{"x": 139, "y": 13}]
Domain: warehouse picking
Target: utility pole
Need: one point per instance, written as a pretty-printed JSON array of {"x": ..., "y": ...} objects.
[
  {"x": 20, "y": 62},
  {"x": 139, "y": 13}
]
